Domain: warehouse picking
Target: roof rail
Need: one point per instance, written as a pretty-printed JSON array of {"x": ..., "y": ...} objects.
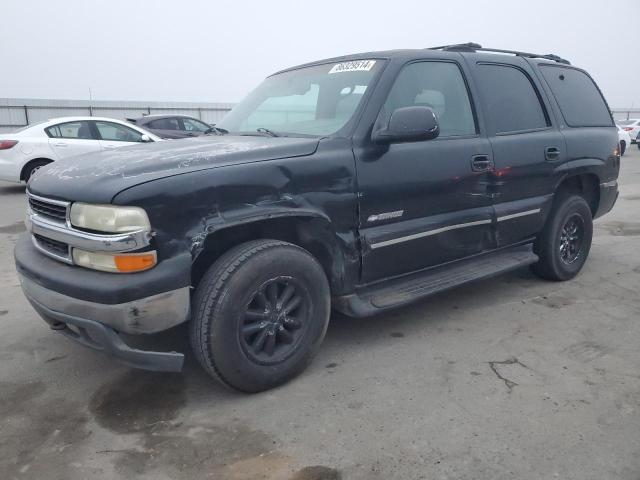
[{"x": 475, "y": 47}]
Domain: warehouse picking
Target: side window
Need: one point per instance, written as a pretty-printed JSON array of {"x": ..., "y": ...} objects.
[
  {"x": 439, "y": 86},
  {"x": 513, "y": 104},
  {"x": 165, "y": 124},
  {"x": 115, "y": 132},
  {"x": 580, "y": 101},
  {"x": 194, "y": 125},
  {"x": 72, "y": 130}
]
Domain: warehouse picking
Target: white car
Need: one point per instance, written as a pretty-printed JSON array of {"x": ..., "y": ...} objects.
[
  {"x": 624, "y": 138},
  {"x": 632, "y": 127},
  {"x": 24, "y": 151}
]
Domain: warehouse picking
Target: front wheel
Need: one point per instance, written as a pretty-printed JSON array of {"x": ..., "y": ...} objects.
[
  {"x": 564, "y": 243},
  {"x": 259, "y": 314},
  {"x": 623, "y": 148}
]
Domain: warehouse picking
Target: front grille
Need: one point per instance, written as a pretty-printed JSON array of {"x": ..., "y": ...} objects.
[
  {"x": 52, "y": 246},
  {"x": 48, "y": 209}
]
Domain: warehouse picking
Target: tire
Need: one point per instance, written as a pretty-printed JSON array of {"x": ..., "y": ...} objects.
[
  {"x": 623, "y": 148},
  {"x": 561, "y": 258},
  {"x": 242, "y": 336},
  {"x": 32, "y": 167}
]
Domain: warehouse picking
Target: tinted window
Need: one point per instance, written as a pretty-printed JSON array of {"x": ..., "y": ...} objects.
[
  {"x": 194, "y": 125},
  {"x": 165, "y": 124},
  {"x": 77, "y": 130},
  {"x": 439, "y": 86},
  {"x": 513, "y": 104},
  {"x": 581, "y": 103},
  {"x": 118, "y": 133}
]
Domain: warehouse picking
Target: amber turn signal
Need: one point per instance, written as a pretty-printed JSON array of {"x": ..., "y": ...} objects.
[{"x": 136, "y": 262}]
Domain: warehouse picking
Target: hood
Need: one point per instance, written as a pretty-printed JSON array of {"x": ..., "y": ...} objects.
[{"x": 98, "y": 177}]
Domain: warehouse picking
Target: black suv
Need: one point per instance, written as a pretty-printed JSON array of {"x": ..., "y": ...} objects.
[{"x": 360, "y": 183}]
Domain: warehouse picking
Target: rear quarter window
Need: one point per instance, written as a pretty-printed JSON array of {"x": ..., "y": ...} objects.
[{"x": 580, "y": 101}]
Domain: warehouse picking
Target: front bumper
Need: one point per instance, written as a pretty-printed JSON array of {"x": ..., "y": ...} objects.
[
  {"x": 93, "y": 307},
  {"x": 99, "y": 337}
]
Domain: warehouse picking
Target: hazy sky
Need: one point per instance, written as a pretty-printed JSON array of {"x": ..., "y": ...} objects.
[{"x": 172, "y": 50}]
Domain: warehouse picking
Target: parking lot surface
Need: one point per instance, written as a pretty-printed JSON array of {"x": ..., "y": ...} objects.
[{"x": 512, "y": 377}]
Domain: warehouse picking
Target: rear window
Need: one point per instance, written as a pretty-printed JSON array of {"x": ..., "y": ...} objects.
[{"x": 580, "y": 100}]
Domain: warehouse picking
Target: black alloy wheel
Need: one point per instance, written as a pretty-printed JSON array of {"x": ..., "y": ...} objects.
[{"x": 275, "y": 320}]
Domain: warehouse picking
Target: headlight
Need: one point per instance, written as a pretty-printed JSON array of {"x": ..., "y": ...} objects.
[
  {"x": 108, "y": 218},
  {"x": 117, "y": 263}
]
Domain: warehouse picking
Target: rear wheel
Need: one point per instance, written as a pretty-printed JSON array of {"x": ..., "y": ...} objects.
[
  {"x": 260, "y": 314},
  {"x": 32, "y": 168},
  {"x": 564, "y": 243}
]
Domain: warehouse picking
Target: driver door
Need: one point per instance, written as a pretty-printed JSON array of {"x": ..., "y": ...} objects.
[{"x": 424, "y": 203}]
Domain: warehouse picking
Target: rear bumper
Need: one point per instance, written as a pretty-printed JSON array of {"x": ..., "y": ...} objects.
[
  {"x": 10, "y": 171},
  {"x": 99, "y": 337},
  {"x": 608, "y": 196}
]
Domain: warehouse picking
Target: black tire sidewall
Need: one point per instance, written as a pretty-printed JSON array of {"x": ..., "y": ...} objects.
[
  {"x": 623, "y": 148},
  {"x": 229, "y": 358},
  {"x": 570, "y": 206}
]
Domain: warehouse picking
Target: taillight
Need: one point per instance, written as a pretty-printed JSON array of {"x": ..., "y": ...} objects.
[
  {"x": 627, "y": 129},
  {"x": 7, "y": 144}
]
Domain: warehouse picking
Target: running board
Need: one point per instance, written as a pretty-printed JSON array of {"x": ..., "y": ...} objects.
[{"x": 394, "y": 293}]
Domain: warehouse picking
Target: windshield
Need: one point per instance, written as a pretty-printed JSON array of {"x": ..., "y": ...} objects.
[
  {"x": 316, "y": 100},
  {"x": 625, "y": 122}
]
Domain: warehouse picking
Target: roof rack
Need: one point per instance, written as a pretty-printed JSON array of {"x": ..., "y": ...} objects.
[{"x": 475, "y": 47}]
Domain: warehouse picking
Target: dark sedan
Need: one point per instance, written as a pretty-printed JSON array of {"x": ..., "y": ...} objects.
[{"x": 172, "y": 126}]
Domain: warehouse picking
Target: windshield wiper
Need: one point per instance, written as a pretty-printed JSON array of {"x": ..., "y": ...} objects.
[
  {"x": 267, "y": 131},
  {"x": 216, "y": 130}
]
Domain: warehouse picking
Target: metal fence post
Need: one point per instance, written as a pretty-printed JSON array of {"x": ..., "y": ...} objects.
[{"x": 26, "y": 115}]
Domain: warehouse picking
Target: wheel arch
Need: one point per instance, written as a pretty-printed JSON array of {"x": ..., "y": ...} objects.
[
  {"x": 583, "y": 183},
  {"x": 313, "y": 232},
  {"x": 29, "y": 163}
]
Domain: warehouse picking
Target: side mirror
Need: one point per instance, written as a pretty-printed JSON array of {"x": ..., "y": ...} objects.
[
  {"x": 409, "y": 124},
  {"x": 145, "y": 138}
]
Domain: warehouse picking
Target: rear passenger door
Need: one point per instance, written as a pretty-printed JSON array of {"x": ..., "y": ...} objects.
[
  {"x": 166, "y": 127},
  {"x": 526, "y": 146},
  {"x": 72, "y": 138}
]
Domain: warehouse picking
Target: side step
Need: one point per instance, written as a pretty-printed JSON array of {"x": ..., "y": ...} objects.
[{"x": 394, "y": 293}]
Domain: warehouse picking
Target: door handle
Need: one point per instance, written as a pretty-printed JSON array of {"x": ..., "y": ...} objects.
[
  {"x": 61, "y": 144},
  {"x": 551, "y": 153},
  {"x": 481, "y": 163}
]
